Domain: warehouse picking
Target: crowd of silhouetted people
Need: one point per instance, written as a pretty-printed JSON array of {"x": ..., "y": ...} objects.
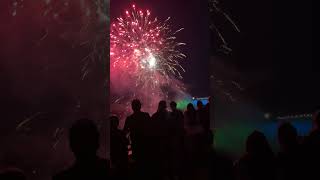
[
  {"x": 174, "y": 145},
  {"x": 163, "y": 145}
]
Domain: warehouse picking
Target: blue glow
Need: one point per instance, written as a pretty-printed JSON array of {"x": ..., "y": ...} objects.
[{"x": 203, "y": 100}]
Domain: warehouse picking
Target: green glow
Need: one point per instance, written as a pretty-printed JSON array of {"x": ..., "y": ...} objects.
[
  {"x": 232, "y": 138},
  {"x": 182, "y": 104}
]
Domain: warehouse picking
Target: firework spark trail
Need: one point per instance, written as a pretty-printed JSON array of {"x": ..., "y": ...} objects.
[
  {"x": 224, "y": 88},
  {"x": 57, "y": 137},
  {"x": 215, "y": 7},
  {"x": 27, "y": 120},
  {"x": 237, "y": 85},
  {"x": 224, "y": 47},
  {"x": 144, "y": 60},
  {"x": 216, "y": 10}
]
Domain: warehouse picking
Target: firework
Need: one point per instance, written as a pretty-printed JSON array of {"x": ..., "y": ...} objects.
[{"x": 144, "y": 59}]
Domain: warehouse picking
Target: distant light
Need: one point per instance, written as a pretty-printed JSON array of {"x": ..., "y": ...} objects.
[
  {"x": 267, "y": 115},
  {"x": 296, "y": 116}
]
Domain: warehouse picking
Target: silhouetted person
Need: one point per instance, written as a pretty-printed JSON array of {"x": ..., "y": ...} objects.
[
  {"x": 161, "y": 137},
  {"x": 259, "y": 162},
  {"x": 201, "y": 114},
  {"x": 119, "y": 149},
  {"x": 190, "y": 116},
  {"x": 12, "y": 174},
  {"x": 193, "y": 138},
  {"x": 137, "y": 124},
  {"x": 311, "y": 147},
  {"x": 176, "y": 139},
  {"x": 199, "y": 105},
  {"x": 160, "y": 120},
  {"x": 289, "y": 158},
  {"x": 176, "y": 119},
  {"x": 203, "y": 119},
  {"x": 84, "y": 143}
]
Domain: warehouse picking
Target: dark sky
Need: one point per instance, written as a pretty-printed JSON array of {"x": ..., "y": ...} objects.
[
  {"x": 191, "y": 15},
  {"x": 273, "y": 53}
]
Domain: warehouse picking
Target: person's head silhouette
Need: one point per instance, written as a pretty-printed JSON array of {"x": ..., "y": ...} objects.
[
  {"x": 173, "y": 105},
  {"x": 190, "y": 107},
  {"x": 114, "y": 122},
  {"x": 287, "y": 135},
  {"x": 162, "y": 106},
  {"x": 84, "y": 139},
  {"x": 136, "y": 105},
  {"x": 199, "y": 104},
  {"x": 257, "y": 145}
]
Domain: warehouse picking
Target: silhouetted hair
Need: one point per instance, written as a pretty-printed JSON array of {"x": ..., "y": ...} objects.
[
  {"x": 257, "y": 144},
  {"x": 84, "y": 138},
  {"x": 173, "y": 104},
  {"x": 190, "y": 107},
  {"x": 199, "y": 104},
  {"x": 162, "y": 105},
  {"x": 136, "y": 105},
  {"x": 287, "y": 134}
]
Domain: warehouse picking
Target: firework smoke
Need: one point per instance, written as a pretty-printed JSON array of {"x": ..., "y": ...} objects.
[
  {"x": 144, "y": 61},
  {"x": 81, "y": 24}
]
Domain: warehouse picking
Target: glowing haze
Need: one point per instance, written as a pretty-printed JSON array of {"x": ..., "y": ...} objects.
[{"x": 144, "y": 61}]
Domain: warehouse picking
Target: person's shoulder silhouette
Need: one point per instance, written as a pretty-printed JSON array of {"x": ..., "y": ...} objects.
[
  {"x": 289, "y": 159},
  {"x": 259, "y": 160},
  {"x": 288, "y": 137},
  {"x": 118, "y": 142},
  {"x": 174, "y": 111},
  {"x": 160, "y": 119},
  {"x": 138, "y": 119},
  {"x": 162, "y": 113},
  {"x": 176, "y": 114},
  {"x": 84, "y": 143}
]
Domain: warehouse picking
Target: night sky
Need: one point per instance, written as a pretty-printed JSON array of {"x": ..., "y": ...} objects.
[
  {"x": 191, "y": 15},
  {"x": 273, "y": 54}
]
